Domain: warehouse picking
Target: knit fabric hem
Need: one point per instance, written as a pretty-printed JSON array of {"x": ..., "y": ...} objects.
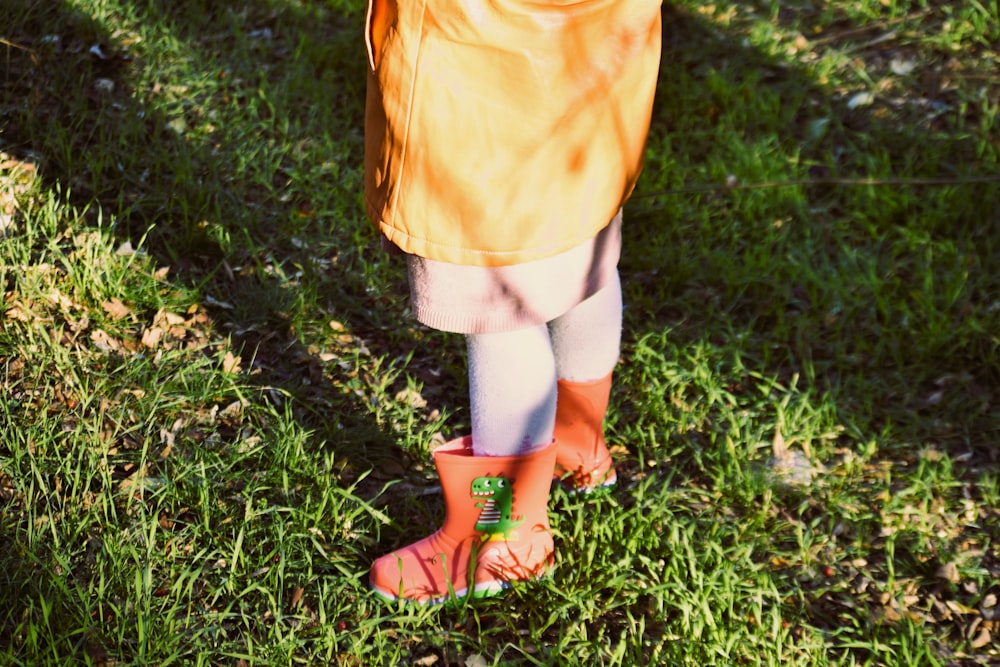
[{"x": 476, "y": 299}]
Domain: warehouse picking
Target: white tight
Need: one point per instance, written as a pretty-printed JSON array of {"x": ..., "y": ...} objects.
[{"x": 512, "y": 374}]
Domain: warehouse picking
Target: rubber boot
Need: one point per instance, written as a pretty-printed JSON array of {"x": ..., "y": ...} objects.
[
  {"x": 495, "y": 530},
  {"x": 583, "y": 462}
]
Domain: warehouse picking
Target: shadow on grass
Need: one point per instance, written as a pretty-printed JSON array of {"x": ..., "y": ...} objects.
[
  {"x": 271, "y": 249},
  {"x": 246, "y": 184}
]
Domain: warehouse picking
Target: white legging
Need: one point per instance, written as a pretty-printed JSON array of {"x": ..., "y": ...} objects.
[{"x": 512, "y": 375}]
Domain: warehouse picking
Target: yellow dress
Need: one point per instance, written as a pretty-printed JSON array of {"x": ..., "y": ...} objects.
[{"x": 500, "y": 132}]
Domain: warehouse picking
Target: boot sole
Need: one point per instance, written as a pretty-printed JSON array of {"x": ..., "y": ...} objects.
[{"x": 488, "y": 589}]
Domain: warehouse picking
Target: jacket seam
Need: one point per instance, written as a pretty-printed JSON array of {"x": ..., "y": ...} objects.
[{"x": 409, "y": 107}]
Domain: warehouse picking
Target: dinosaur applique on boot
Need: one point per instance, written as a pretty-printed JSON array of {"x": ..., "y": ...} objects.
[{"x": 495, "y": 518}]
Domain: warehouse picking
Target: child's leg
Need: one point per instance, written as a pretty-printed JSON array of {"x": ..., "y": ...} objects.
[
  {"x": 512, "y": 391},
  {"x": 586, "y": 343},
  {"x": 495, "y": 483},
  {"x": 587, "y": 339}
]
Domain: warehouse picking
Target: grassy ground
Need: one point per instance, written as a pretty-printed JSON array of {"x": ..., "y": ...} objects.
[{"x": 216, "y": 411}]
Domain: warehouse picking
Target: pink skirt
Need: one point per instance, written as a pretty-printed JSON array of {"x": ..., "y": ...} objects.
[{"x": 471, "y": 299}]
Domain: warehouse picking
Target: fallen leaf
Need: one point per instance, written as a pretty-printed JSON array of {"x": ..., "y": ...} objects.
[
  {"x": 231, "y": 363},
  {"x": 151, "y": 337},
  {"x": 981, "y": 639},
  {"x": 411, "y": 398},
  {"x": 21, "y": 313},
  {"x": 65, "y": 303},
  {"x": 949, "y": 572},
  {"x": 166, "y": 319},
  {"x": 778, "y": 448},
  {"x": 104, "y": 342},
  {"x": 233, "y": 411},
  {"x": 7, "y": 225},
  {"x": 959, "y": 608},
  {"x": 115, "y": 309}
]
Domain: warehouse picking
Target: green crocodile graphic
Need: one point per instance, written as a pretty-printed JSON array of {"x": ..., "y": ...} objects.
[{"x": 495, "y": 519}]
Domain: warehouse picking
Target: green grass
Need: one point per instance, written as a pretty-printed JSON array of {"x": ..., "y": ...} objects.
[{"x": 217, "y": 412}]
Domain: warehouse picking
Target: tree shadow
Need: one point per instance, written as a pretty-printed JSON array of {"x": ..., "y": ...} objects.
[
  {"x": 269, "y": 233},
  {"x": 266, "y": 247}
]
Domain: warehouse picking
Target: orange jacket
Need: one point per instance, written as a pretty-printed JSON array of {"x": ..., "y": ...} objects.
[{"x": 503, "y": 131}]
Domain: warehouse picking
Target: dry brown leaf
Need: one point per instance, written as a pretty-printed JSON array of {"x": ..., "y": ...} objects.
[
  {"x": 65, "y": 303},
  {"x": 949, "y": 572},
  {"x": 165, "y": 319},
  {"x": 959, "y": 608},
  {"x": 778, "y": 448},
  {"x": 115, "y": 309},
  {"x": 297, "y": 596},
  {"x": 232, "y": 412},
  {"x": 982, "y": 638},
  {"x": 8, "y": 224},
  {"x": 8, "y": 163},
  {"x": 411, "y": 398},
  {"x": 199, "y": 318},
  {"x": 19, "y": 312},
  {"x": 104, "y": 342},
  {"x": 151, "y": 337},
  {"x": 231, "y": 363}
]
